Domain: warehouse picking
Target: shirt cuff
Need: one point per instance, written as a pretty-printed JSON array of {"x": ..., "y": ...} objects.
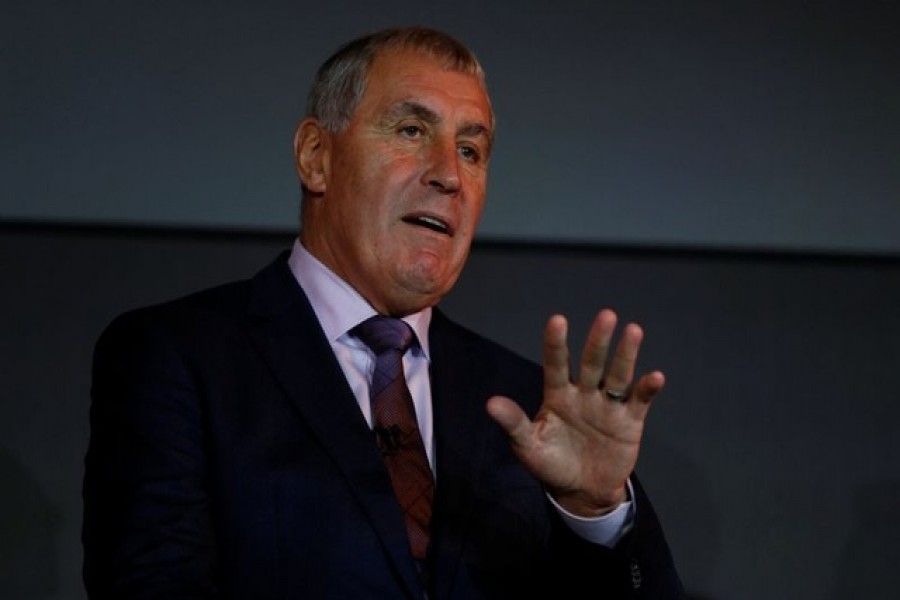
[{"x": 605, "y": 530}]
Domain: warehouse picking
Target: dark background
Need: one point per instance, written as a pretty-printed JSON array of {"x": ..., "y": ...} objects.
[
  {"x": 738, "y": 124},
  {"x": 724, "y": 173}
]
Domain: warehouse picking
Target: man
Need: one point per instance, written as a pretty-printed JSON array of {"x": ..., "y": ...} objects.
[{"x": 232, "y": 451}]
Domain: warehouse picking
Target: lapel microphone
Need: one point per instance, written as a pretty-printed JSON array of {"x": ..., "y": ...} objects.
[{"x": 388, "y": 439}]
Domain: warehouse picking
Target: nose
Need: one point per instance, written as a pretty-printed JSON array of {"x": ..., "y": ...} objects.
[{"x": 442, "y": 169}]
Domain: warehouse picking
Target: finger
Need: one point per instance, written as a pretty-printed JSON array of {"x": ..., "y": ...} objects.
[
  {"x": 596, "y": 347},
  {"x": 556, "y": 353},
  {"x": 511, "y": 418},
  {"x": 621, "y": 367},
  {"x": 645, "y": 390}
]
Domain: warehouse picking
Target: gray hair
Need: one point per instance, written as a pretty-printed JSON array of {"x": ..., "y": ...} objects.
[{"x": 340, "y": 82}]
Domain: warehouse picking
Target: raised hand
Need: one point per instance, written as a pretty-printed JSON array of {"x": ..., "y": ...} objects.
[{"x": 584, "y": 441}]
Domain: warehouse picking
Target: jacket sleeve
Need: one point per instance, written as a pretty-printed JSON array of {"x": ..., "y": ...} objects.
[
  {"x": 640, "y": 566},
  {"x": 147, "y": 529}
]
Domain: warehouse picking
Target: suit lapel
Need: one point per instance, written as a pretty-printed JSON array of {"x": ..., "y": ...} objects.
[
  {"x": 284, "y": 328},
  {"x": 460, "y": 421}
]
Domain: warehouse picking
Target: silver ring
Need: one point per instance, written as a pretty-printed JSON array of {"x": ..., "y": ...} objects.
[{"x": 615, "y": 396}]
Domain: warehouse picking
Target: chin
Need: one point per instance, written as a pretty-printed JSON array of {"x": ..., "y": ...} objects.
[
  {"x": 419, "y": 294},
  {"x": 429, "y": 276}
]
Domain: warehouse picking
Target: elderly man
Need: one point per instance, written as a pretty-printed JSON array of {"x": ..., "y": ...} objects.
[{"x": 325, "y": 431}]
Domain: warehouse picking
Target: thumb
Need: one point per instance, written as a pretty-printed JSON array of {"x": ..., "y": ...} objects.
[{"x": 511, "y": 418}]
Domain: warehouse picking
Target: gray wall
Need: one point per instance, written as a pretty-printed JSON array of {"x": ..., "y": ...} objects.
[
  {"x": 741, "y": 124},
  {"x": 771, "y": 455}
]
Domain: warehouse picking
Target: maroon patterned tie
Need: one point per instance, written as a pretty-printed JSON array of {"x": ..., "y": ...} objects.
[{"x": 396, "y": 428}]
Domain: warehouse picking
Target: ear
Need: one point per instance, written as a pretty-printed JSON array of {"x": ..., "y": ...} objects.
[{"x": 311, "y": 154}]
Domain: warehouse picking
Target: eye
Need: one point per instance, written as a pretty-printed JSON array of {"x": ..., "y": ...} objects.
[
  {"x": 469, "y": 153},
  {"x": 411, "y": 131}
]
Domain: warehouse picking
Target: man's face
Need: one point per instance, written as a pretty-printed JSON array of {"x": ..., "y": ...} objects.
[{"x": 402, "y": 187}]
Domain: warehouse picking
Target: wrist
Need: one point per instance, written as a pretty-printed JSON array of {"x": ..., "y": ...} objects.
[{"x": 589, "y": 506}]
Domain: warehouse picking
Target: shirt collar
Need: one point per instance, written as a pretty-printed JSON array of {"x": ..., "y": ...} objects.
[{"x": 337, "y": 305}]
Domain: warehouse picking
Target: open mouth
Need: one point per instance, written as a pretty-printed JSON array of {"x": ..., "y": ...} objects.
[{"x": 429, "y": 222}]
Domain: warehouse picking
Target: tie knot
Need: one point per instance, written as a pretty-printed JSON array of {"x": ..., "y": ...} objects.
[{"x": 382, "y": 334}]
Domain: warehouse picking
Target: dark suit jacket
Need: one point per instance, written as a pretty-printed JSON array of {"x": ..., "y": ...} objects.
[{"x": 229, "y": 459}]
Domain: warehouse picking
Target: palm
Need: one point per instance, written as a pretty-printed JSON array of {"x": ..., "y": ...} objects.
[{"x": 582, "y": 445}]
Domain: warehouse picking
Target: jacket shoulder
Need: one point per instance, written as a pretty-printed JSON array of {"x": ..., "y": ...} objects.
[
  {"x": 447, "y": 334},
  {"x": 204, "y": 310}
]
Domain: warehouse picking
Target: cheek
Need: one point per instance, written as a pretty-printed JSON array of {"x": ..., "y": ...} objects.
[
  {"x": 471, "y": 215},
  {"x": 385, "y": 183}
]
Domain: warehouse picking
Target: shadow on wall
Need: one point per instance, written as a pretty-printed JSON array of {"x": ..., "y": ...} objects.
[
  {"x": 29, "y": 527},
  {"x": 866, "y": 571}
]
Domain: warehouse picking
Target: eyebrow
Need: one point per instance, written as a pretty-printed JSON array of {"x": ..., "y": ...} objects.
[
  {"x": 416, "y": 109},
  {"x": 408, "y": 107}
]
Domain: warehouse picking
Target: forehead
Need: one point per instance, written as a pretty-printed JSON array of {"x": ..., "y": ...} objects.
[{"x": 406, "y": 76}]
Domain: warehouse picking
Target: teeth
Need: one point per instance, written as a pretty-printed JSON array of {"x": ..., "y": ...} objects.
[{"x": 432, "y": 223}]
